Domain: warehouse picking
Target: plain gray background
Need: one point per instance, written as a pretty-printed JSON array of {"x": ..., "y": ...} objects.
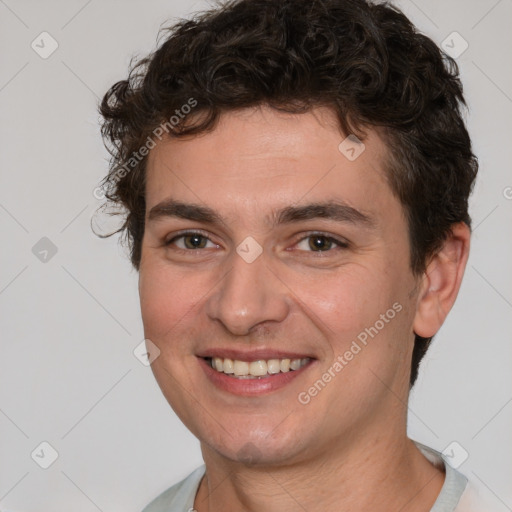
[{"x": 69, "y": 325}]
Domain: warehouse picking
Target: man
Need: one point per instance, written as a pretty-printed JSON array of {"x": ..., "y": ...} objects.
[{"x": 296, "y": 177}]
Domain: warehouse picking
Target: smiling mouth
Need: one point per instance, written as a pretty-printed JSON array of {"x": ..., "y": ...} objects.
[{"x": 260, "y": 369}]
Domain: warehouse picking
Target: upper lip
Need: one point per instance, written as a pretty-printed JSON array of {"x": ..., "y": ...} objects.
[{"x": 253, "y": 355}]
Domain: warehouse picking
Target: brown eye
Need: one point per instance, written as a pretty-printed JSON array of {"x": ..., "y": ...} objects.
[
  {"x": 318, "y": 242},
  {"x": 189, "y": 241},
  {"x": 194, "y": 241}
]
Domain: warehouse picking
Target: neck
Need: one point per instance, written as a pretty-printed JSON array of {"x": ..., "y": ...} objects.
[{"x": 381, "y": 473}]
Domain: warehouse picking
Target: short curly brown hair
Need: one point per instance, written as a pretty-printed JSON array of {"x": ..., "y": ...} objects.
[{"x": 365, "y": 61}]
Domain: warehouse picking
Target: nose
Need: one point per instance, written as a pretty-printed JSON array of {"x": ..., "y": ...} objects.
[{"x": 250, "y": 294}]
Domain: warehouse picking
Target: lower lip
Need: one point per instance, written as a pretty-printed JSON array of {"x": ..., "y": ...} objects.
[{"x": 250, "y": 387}]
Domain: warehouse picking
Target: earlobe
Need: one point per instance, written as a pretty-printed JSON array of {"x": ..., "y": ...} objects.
[{"x": 441, "y": 282}]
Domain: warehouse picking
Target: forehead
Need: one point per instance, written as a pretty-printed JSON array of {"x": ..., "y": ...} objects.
[{"x": 261, "y": 157}]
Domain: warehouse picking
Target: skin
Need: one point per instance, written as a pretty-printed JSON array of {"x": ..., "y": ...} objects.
[{"x": 268, "y": 452}]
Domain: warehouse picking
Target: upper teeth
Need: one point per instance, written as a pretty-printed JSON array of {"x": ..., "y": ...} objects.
[{"x": 258, "y": 368}]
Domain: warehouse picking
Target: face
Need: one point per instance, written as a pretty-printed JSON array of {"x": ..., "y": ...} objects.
[{"x": 268, "y": 245}]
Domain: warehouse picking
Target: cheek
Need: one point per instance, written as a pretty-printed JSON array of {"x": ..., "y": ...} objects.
[
  {"x": 165, "y": 298},
  {"x": 364, "y": 315},
  {"x": 347, "y": 301}
]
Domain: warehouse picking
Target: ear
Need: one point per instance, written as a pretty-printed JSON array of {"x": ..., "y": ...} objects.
[{"x": 441, "y": 282}]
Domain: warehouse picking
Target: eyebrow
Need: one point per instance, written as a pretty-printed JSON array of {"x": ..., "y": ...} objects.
[{"x": 331, "y": 210}]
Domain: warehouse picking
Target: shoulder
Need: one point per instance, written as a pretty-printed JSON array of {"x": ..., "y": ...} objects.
[
  {"x": 458, "y": 494},
  {"x": 474, "y": 499},
  {"x": 179, "y": 497}
]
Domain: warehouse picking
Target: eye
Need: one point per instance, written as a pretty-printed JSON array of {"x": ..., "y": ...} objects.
[
  {"x": 190, "y": 241},
  {"x": 320, "y": 242},
  {"x": 314, "y": 242}
]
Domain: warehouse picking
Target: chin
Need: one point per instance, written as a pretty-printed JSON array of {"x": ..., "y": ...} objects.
[{"x": 255, "y": 450}]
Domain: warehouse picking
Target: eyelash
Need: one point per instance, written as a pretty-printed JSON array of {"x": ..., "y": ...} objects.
[{"x": 339, "y": 243}]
